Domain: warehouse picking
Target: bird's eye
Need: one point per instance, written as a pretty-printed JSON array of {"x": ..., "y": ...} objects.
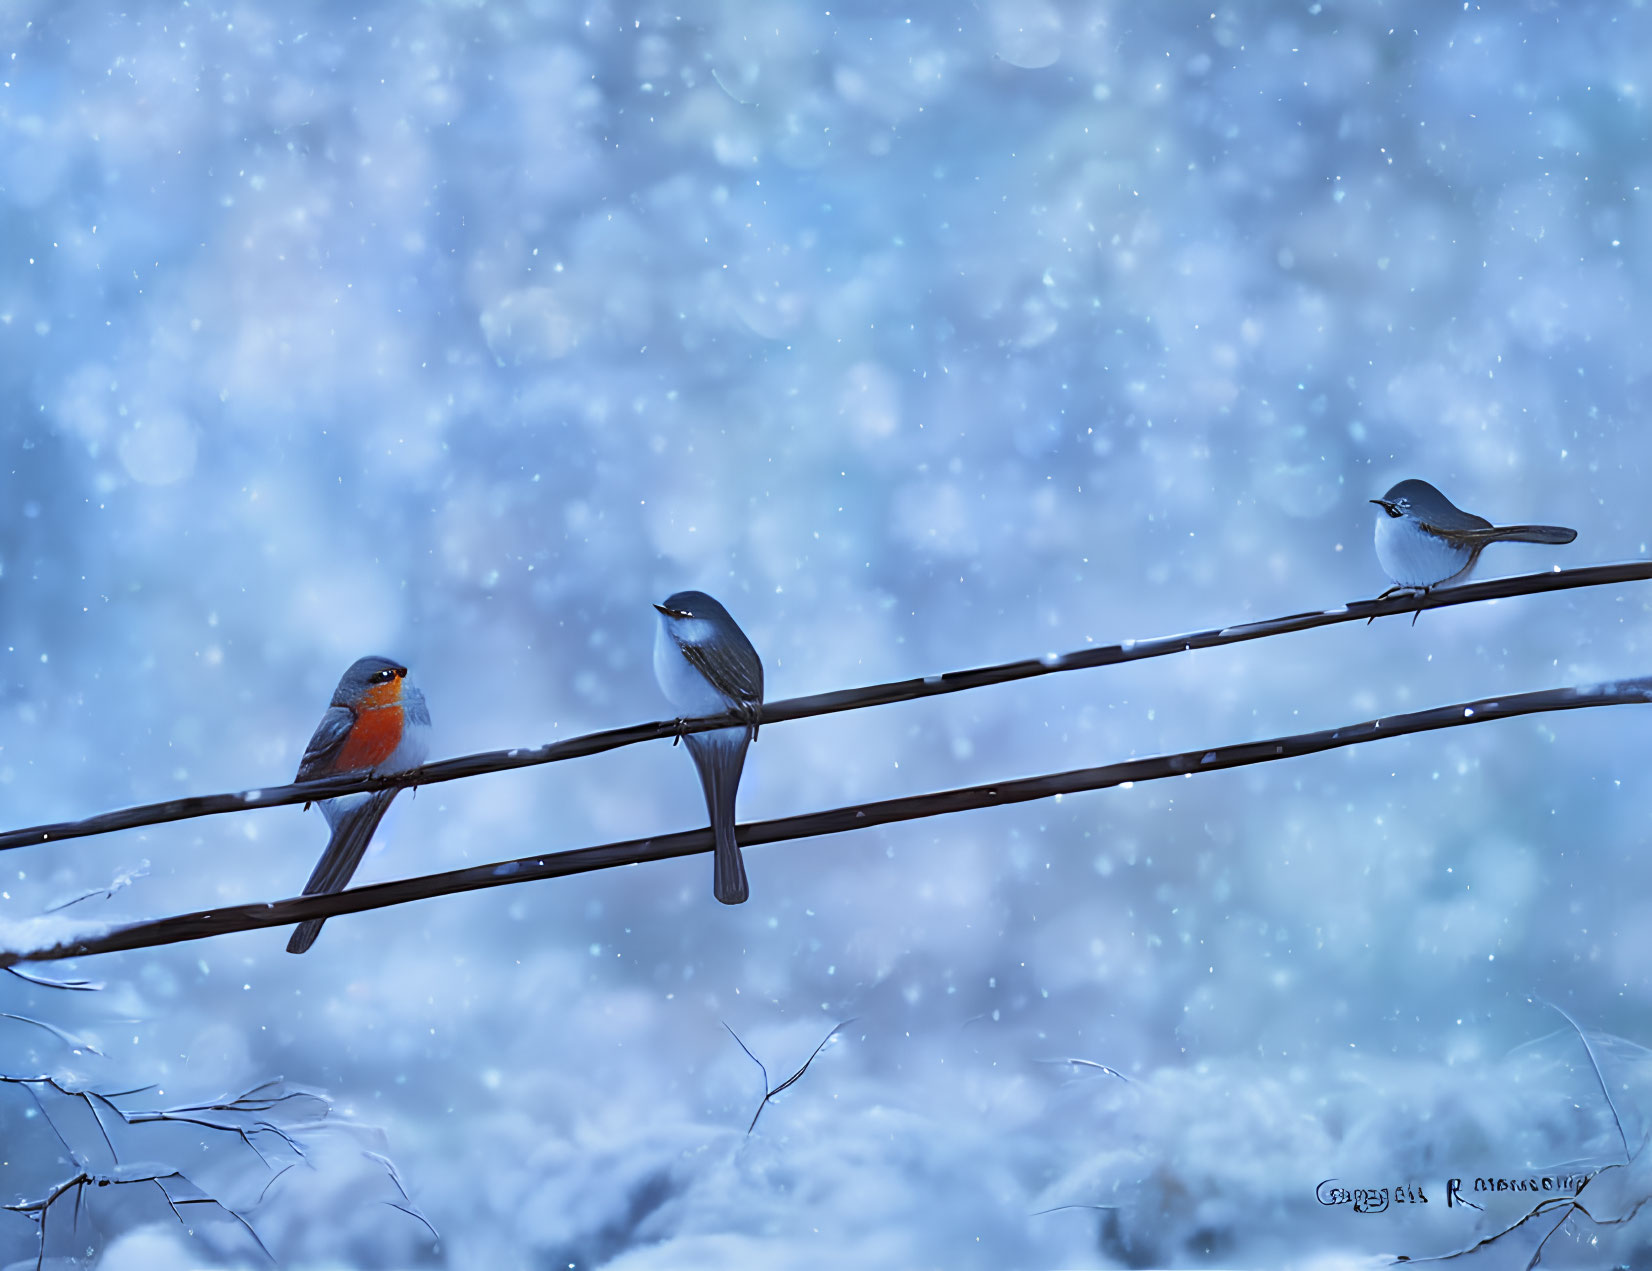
[{"x": 384, "y": 676}]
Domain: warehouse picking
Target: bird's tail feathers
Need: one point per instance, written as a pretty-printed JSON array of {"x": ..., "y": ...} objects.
[
  {"x": 720, "y": 762},
  {"x": 351, "y": 835},
  {"x": 1555, "y": 535}
]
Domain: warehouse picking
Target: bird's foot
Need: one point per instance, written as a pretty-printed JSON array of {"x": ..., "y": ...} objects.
[
  {"x": 680, "y": 732},
  {"x": 1399, "y": 589}
]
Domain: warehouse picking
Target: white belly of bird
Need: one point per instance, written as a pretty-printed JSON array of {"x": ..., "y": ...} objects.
[
  {"x": 684, "y": 686},
  {"x": 411, "y": 751},
  {"x": 1413, "y": 557}
]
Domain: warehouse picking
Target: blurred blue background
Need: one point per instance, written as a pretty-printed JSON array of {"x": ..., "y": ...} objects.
[{"x": 922, "y": 338}]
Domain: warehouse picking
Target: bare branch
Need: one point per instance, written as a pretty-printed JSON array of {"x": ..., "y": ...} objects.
[
  {"x": 125, "y": 878},
  {"x": 1487, "y": 1241},
  {"x": 46, "y": 1116},
  {"x": 222, "y": 1115},
  {"x": 123, "y": 1175},
  {"x": 760, "y": 1067},
  {"x": 406, "y": 1204},
  {"x": 202, "y": 1198},
  {"x": 50, "y": 1198},
  {"x": 62, "y": 1034},
  {"x": 408, "y": 1208},
  {"x": 207, "y": 923},
  {"x": 828, "y": 703},
  {"x": 273, "y": 1177},
  {"x": 74, "y": 986},
  {"x": 1600, "y": 1077},
  {"x": 1086, "y": 1063},
  {"x": 239, "y": 1115},
  {"x": 1056, "y": 1209},
  {"x": 768, "y": 1093},
  {"x": 1568, "y": 1205}
]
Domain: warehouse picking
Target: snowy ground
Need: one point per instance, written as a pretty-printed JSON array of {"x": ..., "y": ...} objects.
[{"x": 923, "y": 338}]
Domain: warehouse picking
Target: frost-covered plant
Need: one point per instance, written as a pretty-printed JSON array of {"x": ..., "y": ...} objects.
[{"x": 115, "y": 1148}]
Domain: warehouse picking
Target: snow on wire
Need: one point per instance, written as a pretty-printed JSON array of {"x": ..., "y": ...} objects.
[
  {"x": 224, "y": 920},
  {"x": 827, "y": 703}
]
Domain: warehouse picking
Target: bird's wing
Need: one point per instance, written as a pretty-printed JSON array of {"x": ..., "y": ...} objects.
[
  {"x": 1453, "y": 524},
  {"x": 325, "y": 744},
  {"x": 1462, "y": 535},
  {"x": 732, "y": 667}
]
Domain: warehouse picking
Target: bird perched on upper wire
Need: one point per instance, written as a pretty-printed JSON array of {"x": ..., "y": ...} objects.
[
  {"x": 377, "y": 722},
  {"x": 706, "y": 666},
  {"x": 1423, "y": 539}
]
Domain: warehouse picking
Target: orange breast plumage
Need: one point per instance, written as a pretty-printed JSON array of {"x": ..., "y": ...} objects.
[{"x": 377, "y": 731}]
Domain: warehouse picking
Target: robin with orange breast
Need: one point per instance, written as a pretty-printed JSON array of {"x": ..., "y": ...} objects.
[{"x": 377, "y": 722}]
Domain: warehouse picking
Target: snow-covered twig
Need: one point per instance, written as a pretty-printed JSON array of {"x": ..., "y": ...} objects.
[
  {"x": 245, "y": 1116},
  {"x": 1565, "y": 1206},
  {"x": 768, "y": 1092}
]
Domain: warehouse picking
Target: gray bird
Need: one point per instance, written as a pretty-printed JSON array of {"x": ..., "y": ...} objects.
[
  {"x": 1423, "y": 539},
  {"x": 376, "y": 722},
  {"x": 706, "y": 666}
]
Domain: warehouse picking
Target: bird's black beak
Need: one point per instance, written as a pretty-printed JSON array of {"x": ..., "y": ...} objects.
[
  {"x": 1387, "y": 507},
  {"x": 663, "y": 610},
  {"x": 673, "y": 613}
]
